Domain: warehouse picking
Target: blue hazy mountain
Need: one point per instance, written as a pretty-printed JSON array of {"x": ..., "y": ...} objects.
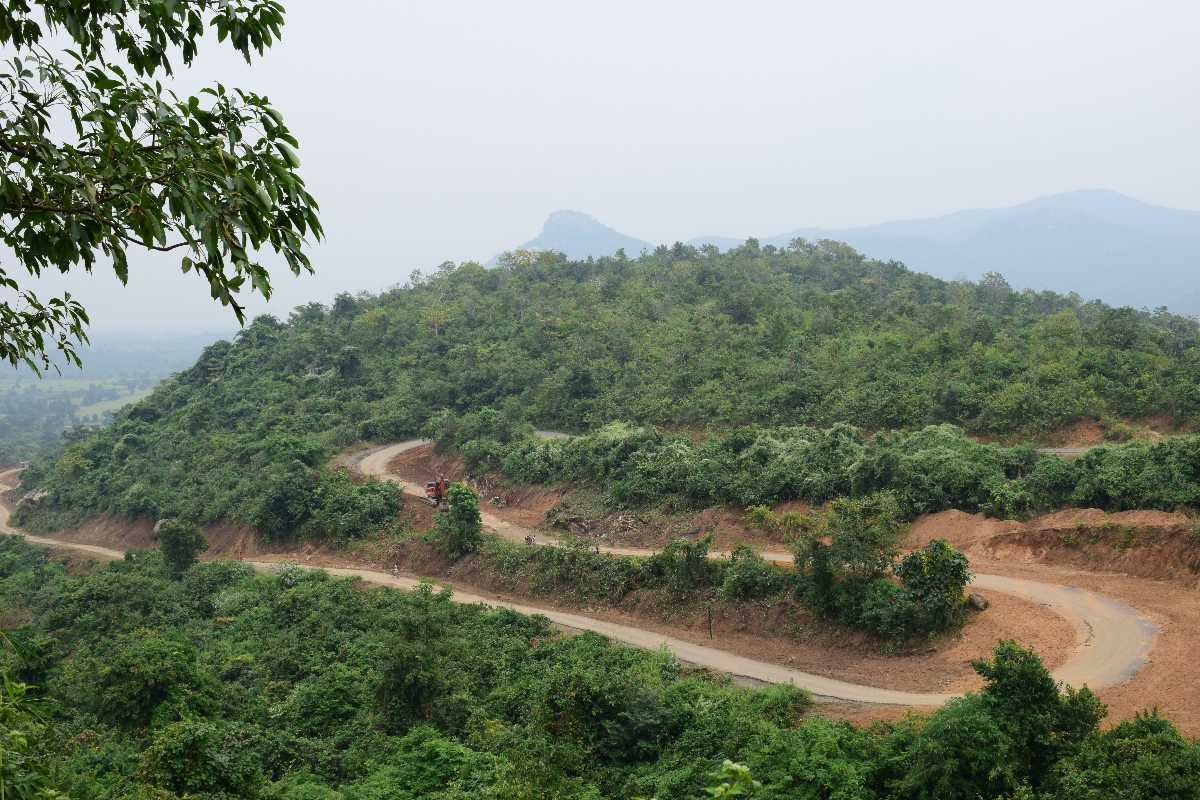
[
  {"x": 1101, "y": 244},
  {"x": 578, "y": 236}
]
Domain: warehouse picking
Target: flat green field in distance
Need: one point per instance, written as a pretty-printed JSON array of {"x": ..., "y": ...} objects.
[
  {"x": 108, "y": 406},
  {"x": 34, "y": 413},
  {"x": 119, "y": 369}
]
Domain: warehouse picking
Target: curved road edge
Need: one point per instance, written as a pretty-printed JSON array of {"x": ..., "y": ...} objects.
[{"x": 823, "y": 689}]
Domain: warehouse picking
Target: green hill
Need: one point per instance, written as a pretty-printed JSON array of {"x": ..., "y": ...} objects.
[{"x": 689, "y": 339}]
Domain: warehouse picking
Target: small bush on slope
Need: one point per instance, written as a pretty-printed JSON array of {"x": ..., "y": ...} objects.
[
  {"x": 459, "y": 529},
  {"x": 181, "y": 544},
  {"x": 749, "y": 577}
]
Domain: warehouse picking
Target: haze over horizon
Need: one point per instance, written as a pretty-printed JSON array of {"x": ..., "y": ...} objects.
[{"x": 698, "y": 120}]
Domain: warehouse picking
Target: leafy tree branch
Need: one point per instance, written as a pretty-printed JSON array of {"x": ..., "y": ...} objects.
[{"x": 97, "y": 158}]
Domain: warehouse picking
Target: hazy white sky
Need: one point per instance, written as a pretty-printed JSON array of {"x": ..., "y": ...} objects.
[{"x": 447, "y": 130}]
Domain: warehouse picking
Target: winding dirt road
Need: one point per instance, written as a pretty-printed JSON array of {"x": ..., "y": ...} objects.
[{"x": 1113, "y": 640}]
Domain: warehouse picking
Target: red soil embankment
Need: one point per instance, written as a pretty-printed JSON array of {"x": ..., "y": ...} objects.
[{"x": 1148, "y": 544}]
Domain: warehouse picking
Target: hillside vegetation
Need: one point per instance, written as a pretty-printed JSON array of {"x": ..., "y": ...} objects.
[
  {"x": 813, "y": 335},
  {"x": 219, "y": 683},
  {"x": 928, "y": 470}
]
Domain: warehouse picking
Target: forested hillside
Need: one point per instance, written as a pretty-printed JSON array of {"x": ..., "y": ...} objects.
[
  {"x": 219, "y": 684},
  {"x": 684, "y": 338}
]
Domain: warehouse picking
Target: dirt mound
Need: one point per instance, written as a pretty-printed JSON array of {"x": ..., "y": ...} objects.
[
  {"x": 1095, "y": 518},
  {"x": 581, "y": 512},
  {"x": 729, "y": 528},
  {"x": 521, "y": 505},
  {"x": 1084, "y": 433},
  {"x": 799, "y": 506},
  {"x": 962, "y": 530},
  {"x": 1164, "y": 553},
  {"x": 1148, "y": 544},
  {"x": 118, "y": 533},
  {"x": 423, "y": 463},
  {"x": 225, "y": 540}
]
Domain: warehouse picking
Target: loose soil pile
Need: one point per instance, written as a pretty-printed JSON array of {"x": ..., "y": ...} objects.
[{"x": 1148, "y": 544}]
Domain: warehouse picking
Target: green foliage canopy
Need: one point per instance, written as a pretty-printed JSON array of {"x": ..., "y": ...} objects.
[
  {"x": 923, "y": 471},
  {"x": 849, "y": 571},
  {"x": 298, "y": 686},
  {"x": 212, "y": 176},
  {"x": 845, "y": 376},
  {"x": 26, "y": 766}
]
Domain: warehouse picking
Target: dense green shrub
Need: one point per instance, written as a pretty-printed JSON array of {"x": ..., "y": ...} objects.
[
  {"x": 848, "y": 570},
  {"x": 342, "y": 509},
  {"x": 148, "y": 676},
  {"x": 1004, "y": 739},
  {"x": 482, "y": 435},
  {"x": 934, "y": 579},
  {"x": 1140, "y": 759},
  {"x": 683, "y": 567},
  {"x": 198, "y": 757},
  {"x": 570, "y": 569},
  {"x": 789, "y": 523},
  {"x": 1051, "y": 482},
  {"x": 181, "y": 543},
  {"x": 734, "y": 780},
  {"x": 749, "y": 577},
  {"x": 1140, "y": 474},
  {"x": 575, "y": 569},
  {"x": 27, "y": 766},
  {"x": 928, "y": 470}
]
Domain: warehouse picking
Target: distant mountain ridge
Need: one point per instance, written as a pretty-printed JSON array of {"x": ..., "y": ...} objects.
[
  {"x": 1099, "y": 243},
  {"x": 578, "y": 236}
]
